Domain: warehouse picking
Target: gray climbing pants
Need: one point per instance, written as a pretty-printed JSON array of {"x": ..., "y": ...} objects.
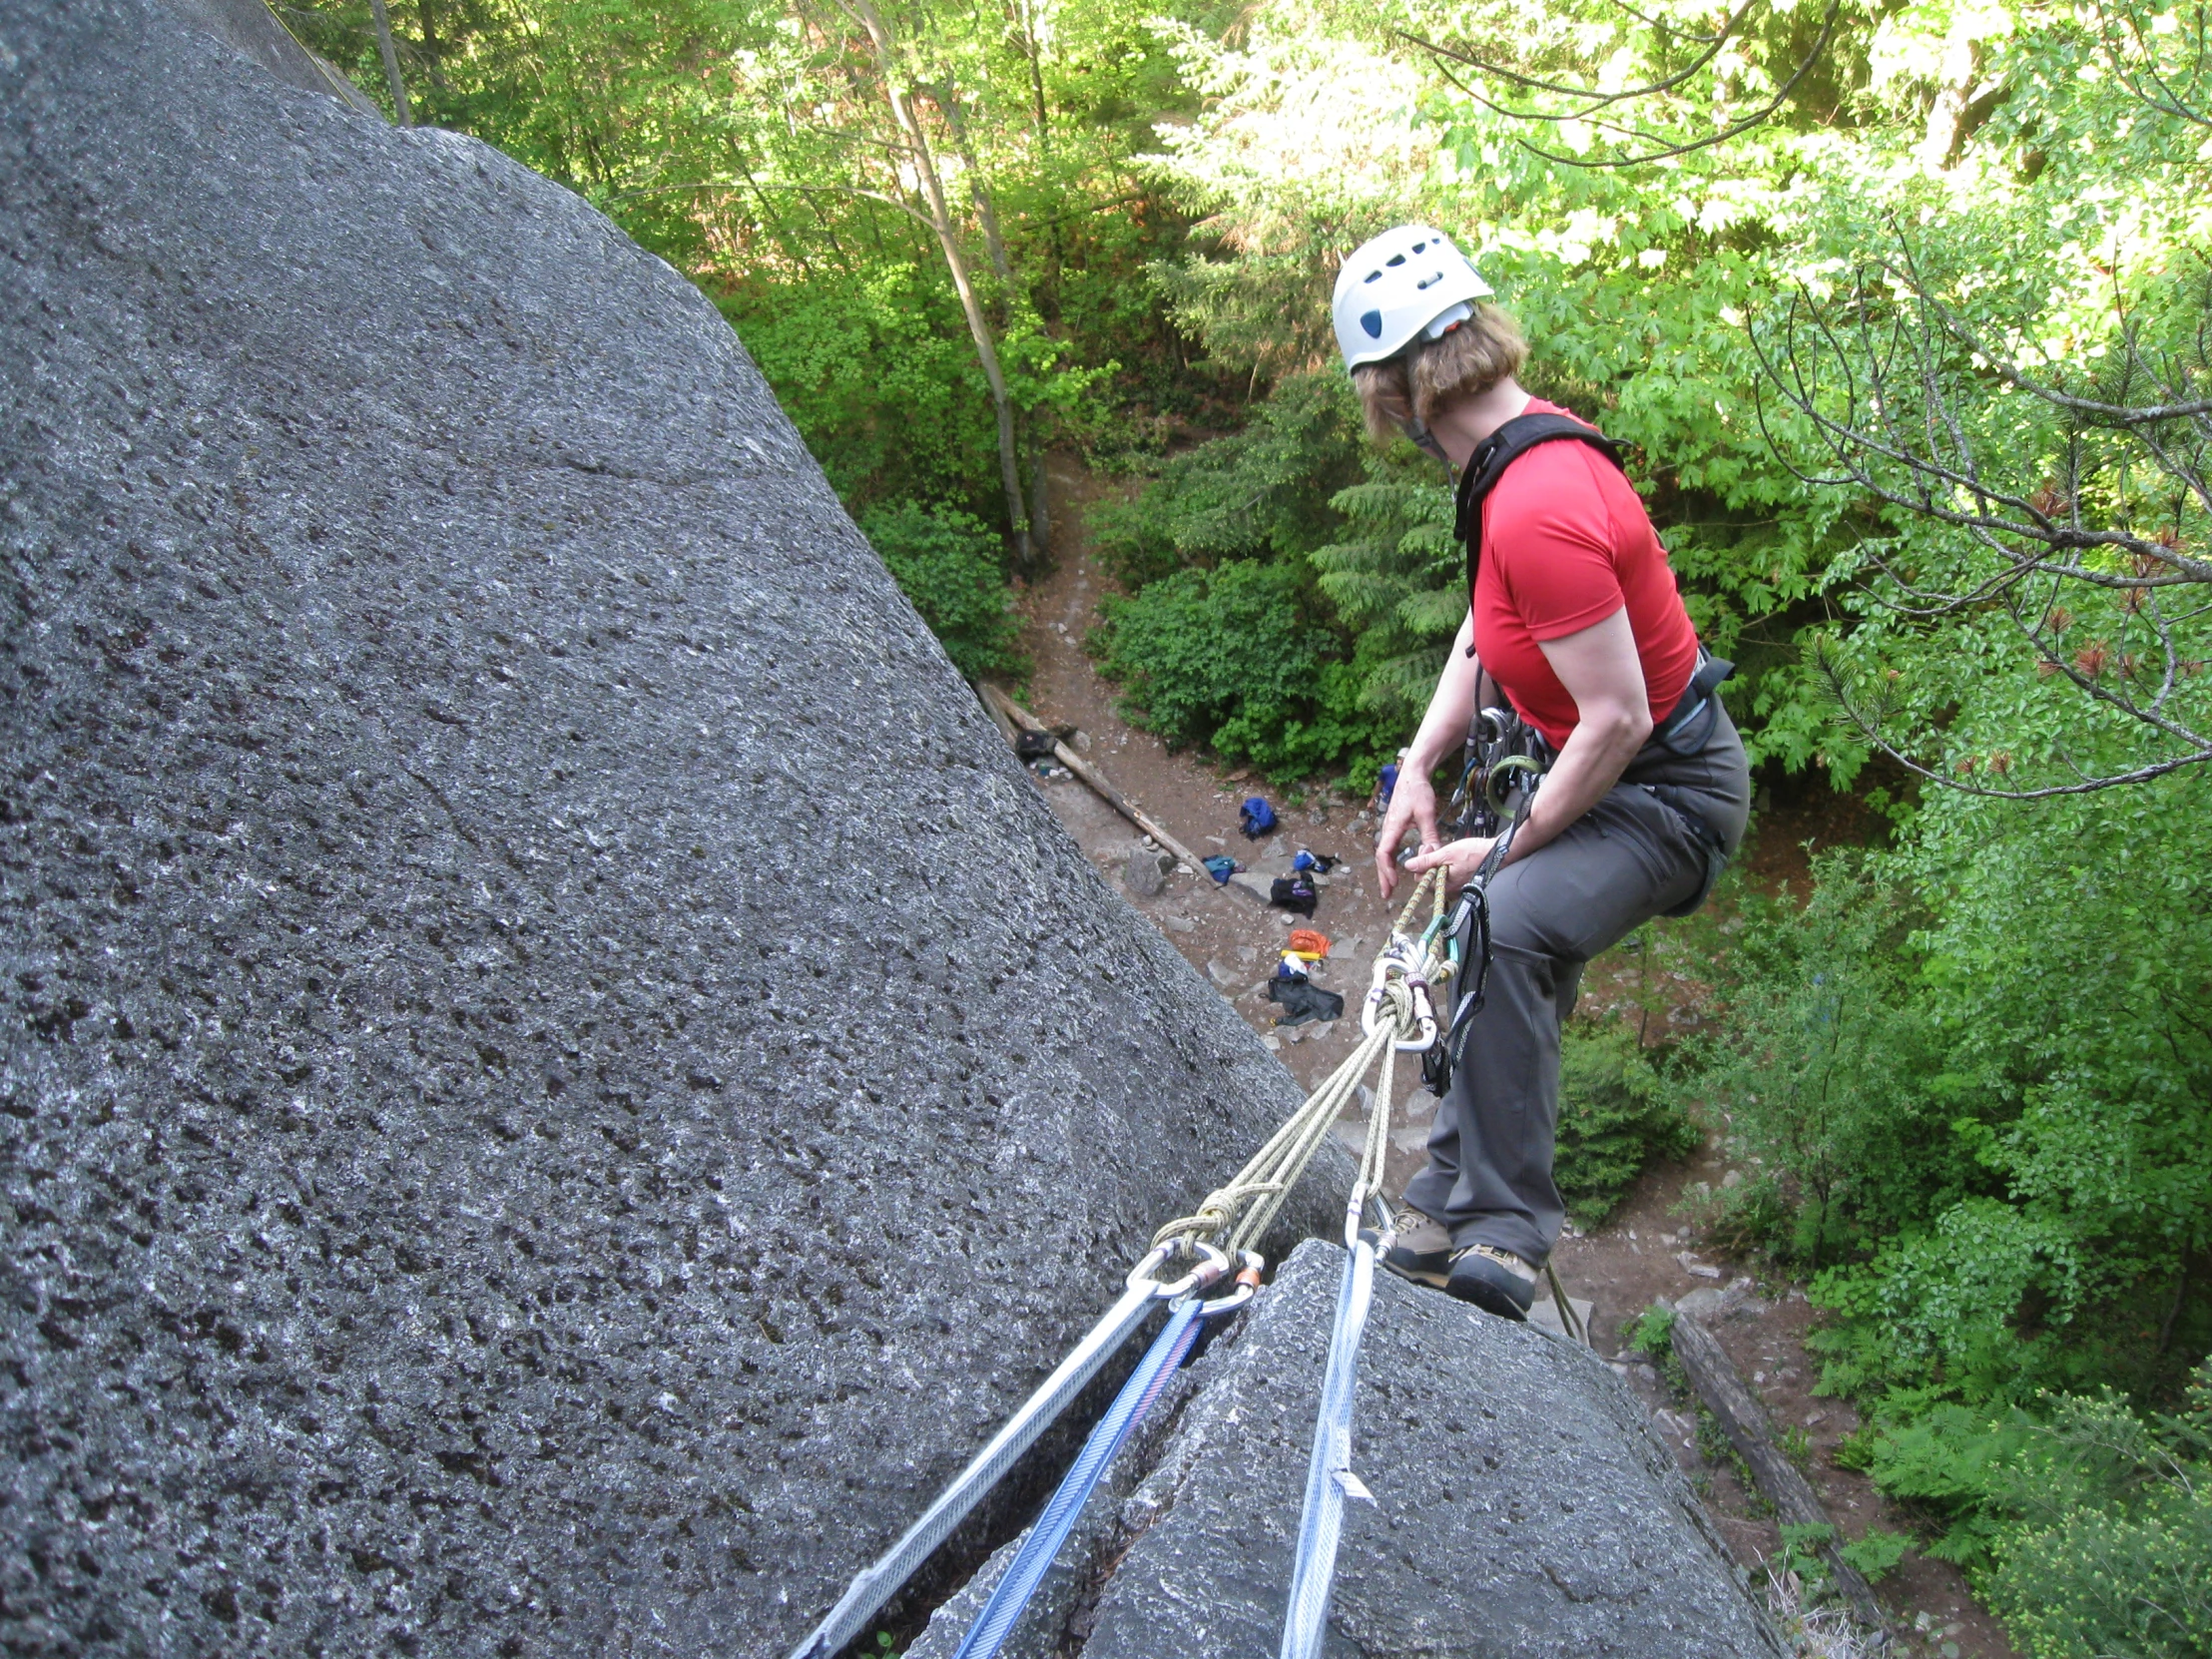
[{"x": 1630, "y": 857}]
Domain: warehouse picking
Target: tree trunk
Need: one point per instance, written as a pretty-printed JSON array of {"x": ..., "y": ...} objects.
[
  {"x": 1040, "y": 512},
  {"x": 1032, "y": 51},
  {"x": 1744, "y": 1420},
  {"x": 1041, "y": 518},
  {"x": 390, "y": 55},
  {"x": 433, "y": 48},
  {"x": 941, "y": 218},
  {"x": 978, "y": 192}
]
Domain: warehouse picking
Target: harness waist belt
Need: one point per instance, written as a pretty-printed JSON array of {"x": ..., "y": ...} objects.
[{"x": 1711, "y": 670}]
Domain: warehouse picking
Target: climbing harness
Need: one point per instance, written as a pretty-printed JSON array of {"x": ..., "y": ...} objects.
[{"x": 1026, "y": 1571}]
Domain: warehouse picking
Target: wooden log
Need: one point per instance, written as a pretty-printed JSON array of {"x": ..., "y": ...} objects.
[
  {"x": 1744, "y": 1420},
  {"x": 1000, "y": 719},
  {"x": 1000, "y": 703}
]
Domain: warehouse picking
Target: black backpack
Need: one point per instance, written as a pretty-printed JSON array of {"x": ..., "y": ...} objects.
[{"x": 1497, "y": 452}]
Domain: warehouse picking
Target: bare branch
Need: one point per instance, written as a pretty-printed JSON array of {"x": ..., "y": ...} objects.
[
  {"x": 1595, "y": 100},
  {"x": 2198, "y": 756}
]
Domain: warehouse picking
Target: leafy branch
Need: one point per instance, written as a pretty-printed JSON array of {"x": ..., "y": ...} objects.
[
  {"x": 1897, "y": 388},
  {"x": 1592, "y": 100}
]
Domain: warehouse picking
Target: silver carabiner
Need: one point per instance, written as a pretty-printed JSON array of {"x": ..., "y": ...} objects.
[
  {"x": 1403, "y": 960},
  {"x": 1247, "y": 1287},
  {"x": 1212, "y": 1267}
]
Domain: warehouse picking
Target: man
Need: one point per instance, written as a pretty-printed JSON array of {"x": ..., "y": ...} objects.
[{"x": 1575, "y": 616}]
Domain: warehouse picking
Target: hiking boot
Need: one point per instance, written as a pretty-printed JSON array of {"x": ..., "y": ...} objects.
[
  {"x": 1495, "y": 1281},
  {"x": 1423, "y": 1251}
]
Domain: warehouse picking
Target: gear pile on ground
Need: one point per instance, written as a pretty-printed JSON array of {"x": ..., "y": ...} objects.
[{"x": 513, "y": 1143}]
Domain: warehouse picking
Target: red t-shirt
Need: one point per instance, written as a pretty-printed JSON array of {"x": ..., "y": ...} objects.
[{"x": 1567, "y": 543}]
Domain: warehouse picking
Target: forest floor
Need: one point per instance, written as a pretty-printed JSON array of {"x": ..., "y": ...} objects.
[{"x": 1646, "y": 1251}]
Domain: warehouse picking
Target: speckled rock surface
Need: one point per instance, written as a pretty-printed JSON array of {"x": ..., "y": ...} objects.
[
  {"x": 250, "y": 29},
  {"x": 557, "y": 1077},
  {"x": 1522, "y": 1507}
]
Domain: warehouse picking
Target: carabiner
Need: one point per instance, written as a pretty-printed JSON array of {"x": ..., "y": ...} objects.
[
  {"x": 1247, "y": 1285},
  {"x": 1498, "y": 784},
  {"x": 1212, "y": 1266},
  {"x": 1406, "y": 962}
]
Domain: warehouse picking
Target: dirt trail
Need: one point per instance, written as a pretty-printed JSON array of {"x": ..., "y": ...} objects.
[{"x": 1644, "y": 1253}]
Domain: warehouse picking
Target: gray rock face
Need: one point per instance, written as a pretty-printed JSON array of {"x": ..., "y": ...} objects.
[
  {"x": 250, "y": 27},
  {"x": 1521, "y": 1507},
  {"x": 557, "y": 1077}
]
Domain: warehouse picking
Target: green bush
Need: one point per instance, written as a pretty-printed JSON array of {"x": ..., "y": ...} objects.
[
  {"x": 1399, "y": 580},
  {"x": 2087, "y": 1529},
  {"x": 947, "y": 563},
  {"x": 1829, "y": 1070},
  {"x": 2104, "y": 1581},
  {"x": 1877, "y": 1554},
  {"x": 1227, "y": 656},
  {"x": 1615, "y": 1116},
  {"x": 1260, "y": 493},
  {"x": 878, "y": 374}
]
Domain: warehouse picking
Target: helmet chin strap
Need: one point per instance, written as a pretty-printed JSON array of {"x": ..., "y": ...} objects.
[{"x": 1426, "y": 440}]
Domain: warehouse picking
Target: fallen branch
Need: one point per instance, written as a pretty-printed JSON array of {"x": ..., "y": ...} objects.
[
  {"x": 999, "y": 703},
  {"x": 1744, "y": 1420}
]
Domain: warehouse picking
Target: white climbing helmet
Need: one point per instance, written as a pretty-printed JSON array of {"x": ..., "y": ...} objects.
[{"x": 1405, "y": 282}]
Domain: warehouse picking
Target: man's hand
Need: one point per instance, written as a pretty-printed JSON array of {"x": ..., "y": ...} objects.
[
  {"x": 1461, "y": 860},
  {"x": 1413, "y": 807}
]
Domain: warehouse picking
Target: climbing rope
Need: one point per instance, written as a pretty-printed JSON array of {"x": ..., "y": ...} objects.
[
  {"x": 1399, "y": 1014},
  {"x": 1329, "y": 1478},
  {"x": 1026, "y": 1571}
]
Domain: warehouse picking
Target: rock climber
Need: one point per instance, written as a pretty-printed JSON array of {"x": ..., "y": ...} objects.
[{"x": 1575, "y": 617}]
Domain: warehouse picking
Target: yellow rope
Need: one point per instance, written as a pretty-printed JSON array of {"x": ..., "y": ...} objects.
[{"x": 1238, "y": 1213}]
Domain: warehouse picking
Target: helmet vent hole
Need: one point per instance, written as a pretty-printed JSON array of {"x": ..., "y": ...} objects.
[
  {"x": 1394, "y": 259},
  {"x": 1375, "y": 276},
  {"x": 1430, "y": 280},
  {"x": 1372, "y": 322}
]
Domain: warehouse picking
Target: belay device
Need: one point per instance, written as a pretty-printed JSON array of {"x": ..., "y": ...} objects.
[{"x": 1498, "y": 783}]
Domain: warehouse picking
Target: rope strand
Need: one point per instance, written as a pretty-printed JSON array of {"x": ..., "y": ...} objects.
[{"x": 1238, "y": 1213}]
